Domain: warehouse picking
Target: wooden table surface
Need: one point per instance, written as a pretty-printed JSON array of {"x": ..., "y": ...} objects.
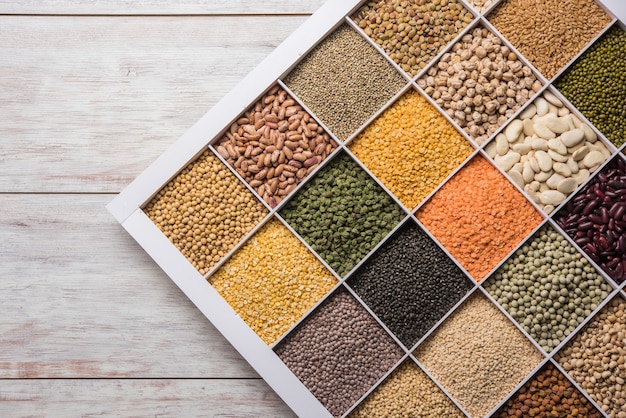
[{"x": 91, "y": 92}]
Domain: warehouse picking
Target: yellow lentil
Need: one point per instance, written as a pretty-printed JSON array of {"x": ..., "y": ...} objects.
[
  {"x": 272, "y": 280},
  {"x": 407, "y": 392},
  {"x": 411, "y": 148},
  {"x": 205, "y": 211}
]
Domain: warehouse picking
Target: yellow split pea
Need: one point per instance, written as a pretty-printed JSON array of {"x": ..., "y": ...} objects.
[
  {"x": 272, "y": 280},
  {"x": 411, "y": 148}
]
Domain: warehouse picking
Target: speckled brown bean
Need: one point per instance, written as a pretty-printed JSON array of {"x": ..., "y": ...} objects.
[
  {"x": 596, "y": 357},
  {"x": 274, "y": 145},
  {"x": 339, "y": 352}
]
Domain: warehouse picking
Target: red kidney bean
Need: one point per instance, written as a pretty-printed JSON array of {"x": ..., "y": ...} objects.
[{"x": 596, "y": 219}]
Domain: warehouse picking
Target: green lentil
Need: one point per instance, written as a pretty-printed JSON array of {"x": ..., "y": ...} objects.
[
  {"x": 596, "y": 85},
  {"x": 342, "y": 213},
  {"x": 543, "y": 260}
]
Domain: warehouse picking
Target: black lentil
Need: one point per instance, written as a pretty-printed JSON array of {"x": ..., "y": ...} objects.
[
  {"x": 342, "y": 213},
  {"x": 339, "y": 352},
  {"x": 410, "y": 283}
]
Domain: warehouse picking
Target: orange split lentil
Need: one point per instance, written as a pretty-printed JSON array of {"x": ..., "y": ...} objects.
[
  {"x": 479, "y": 217},
  {"x": 205, "y": 211},
  {"x": 407, "y": 392},
  {"x": 411, "y": 148},
  {"x": 272, "y": 281}
]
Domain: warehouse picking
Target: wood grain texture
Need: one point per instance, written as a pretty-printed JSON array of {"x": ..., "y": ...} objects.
[
  {"x": 140, "y": 398},
  {"x": 81, "y": 299},
  {"x": 89, "y": 102},
  {"x": 159, "y": 7}
]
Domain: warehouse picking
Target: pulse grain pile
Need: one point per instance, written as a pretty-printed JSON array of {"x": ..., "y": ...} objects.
[
  {"x": 596, "y": 85},
  {"x": 549, "y": 33},
  {"x": 339, "y": 352},
  {"x": 479, "y": 217},
  {"x": 596, "y": 219},
  {"x": 596, "y": 358},
  {"x": 410, "y": 283},
  {"x": 272, "y": 280},
  {"x": 411, "y": 148},
  {"x": 478, "y": 355},
  {"x": 205, "y": 211},
  {"x": 412, "y": 33},
  {"x": 407, "y": 392},
  {"x": 548, "y": 151},
  {"x": 342, "y": 213},
  {"x": 548, "y": 394},
  {"x": 275, "y": 145},
  {"x": 548, "y": 287},
  {"x": 480, "y": 83},
  {"x": 344, "y": 81}
]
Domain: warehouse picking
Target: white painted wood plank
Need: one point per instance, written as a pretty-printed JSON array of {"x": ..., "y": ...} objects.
[
  {"x": 88, "y": 103},
  {"x": 140, "y": 398},
  {"x": 158, "y": 7},
  {"x": 80, "y": 299}
]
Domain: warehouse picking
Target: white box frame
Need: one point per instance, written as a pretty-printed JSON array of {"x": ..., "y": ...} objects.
[{"x": 127, "y": 206}]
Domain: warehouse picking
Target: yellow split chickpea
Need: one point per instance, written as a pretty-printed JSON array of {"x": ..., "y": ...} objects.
[
  {"x": 411, "y": 148},
  {"x": 205, "y": 211},
  {"x": 272, "y": 281}
]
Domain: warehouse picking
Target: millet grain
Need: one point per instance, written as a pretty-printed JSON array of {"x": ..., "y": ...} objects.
[
  {"x": 205, "y": 211},
  {"x": 344, "y": 81}
]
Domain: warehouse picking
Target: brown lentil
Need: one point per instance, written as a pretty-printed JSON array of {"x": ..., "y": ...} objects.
[
  {"x": 596, "y": 357},
  {"x": 408, "y": 392},
  {"x": 275, "y": 145},
  {"x": 272, "y": 280},
  {"x": 344, "y": 81},
  {"x": 339, "y": 352},
  {"x": 479, "y": 217},
  {"x": 548, "y": 394},
  {"x": 478, "y": 355},
  {"x": 411, "y": 148},
  {"x": 480, "y": 83},
  {"x": 205, "y": 211},
  {"x": 549, "y": 33},
  {"x": 412, "y": 33}
]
